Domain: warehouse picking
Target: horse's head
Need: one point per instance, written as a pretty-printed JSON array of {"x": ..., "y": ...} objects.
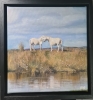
[
  {"x": 44, "y": 38},
  {"x": 47, "y": 38}
]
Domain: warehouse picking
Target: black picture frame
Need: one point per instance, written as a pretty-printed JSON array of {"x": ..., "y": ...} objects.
[{"x": 3, "y": 50}]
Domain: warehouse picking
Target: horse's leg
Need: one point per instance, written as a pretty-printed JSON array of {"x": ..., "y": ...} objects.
[
  {"x": 51, "y": 48},
  {"x": 30, "y": 47},
  {"x": 30, "y": 44},
  {"x": 58, "y": 47},
  {"x": 61, "y": 47},
  {"x": 40, "y": 47},
  {"x": 33, "y": 48}
]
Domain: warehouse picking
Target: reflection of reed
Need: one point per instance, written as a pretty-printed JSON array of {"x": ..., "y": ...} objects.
[
  {"x": 11, "y": 76},
  {"x": 16, "y": 76},
  {"x": 65, "y": 76},
  {"x": 71, "y": 77}
]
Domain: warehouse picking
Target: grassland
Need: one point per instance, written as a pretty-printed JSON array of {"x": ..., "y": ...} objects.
[{"x": 45, "y": 61}]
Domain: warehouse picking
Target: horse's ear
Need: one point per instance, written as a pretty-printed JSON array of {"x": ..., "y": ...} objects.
[{"x": 42, "y": 36}]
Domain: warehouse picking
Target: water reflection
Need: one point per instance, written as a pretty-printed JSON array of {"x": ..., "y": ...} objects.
[{"x": 61, "y": 81}]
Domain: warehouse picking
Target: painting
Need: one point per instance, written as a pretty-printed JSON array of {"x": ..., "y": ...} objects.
[{"x": 46, "y": 49}]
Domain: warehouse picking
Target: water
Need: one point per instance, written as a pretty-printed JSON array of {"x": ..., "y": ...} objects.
[{"x": 61, "y": 81}]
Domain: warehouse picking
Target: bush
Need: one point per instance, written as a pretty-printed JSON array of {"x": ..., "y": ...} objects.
[{"x": 21, "y": 47}]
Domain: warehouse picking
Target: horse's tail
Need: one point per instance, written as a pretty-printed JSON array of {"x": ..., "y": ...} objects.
[
  {"x": 61, "y": 45},
  {"x": 30, "y": 44}
]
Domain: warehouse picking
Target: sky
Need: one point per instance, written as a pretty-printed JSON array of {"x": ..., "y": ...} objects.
[{"x": 67, "y": 23}]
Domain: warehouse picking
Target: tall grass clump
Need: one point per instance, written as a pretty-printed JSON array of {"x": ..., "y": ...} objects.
[{"x": 21, "y": 47}]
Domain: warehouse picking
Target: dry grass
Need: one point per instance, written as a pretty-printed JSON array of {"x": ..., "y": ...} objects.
[{"x": 75, "y": 60}]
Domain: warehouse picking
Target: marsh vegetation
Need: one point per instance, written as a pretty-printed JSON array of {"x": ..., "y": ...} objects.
[{"x": 44, "y": 62}]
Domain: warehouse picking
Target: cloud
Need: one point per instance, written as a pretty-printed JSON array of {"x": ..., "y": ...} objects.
[
  {"x": 75, "y": 44},
  {"x": 67, "y": 20},
  {"x": 46, "y": 30},
  {"x": 14, "y": 37}
]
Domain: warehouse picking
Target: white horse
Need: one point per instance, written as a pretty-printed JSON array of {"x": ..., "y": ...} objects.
[
  {"x": 36, "y": 41},
  {"x": 54, "y": 41}
]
